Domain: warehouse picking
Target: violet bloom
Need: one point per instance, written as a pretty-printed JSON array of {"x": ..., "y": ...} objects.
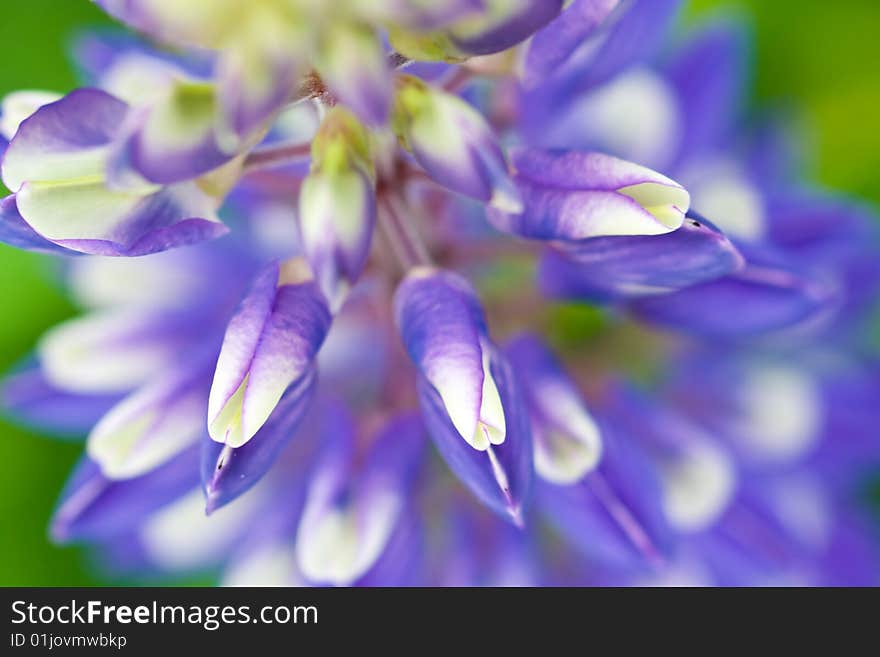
[{"x": 687, "y": 398}]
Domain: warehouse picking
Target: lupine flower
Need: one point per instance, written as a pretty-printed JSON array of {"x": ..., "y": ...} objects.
[
  {"x": 567, "y": 441},
  {"x": 259, "y": 405},
  {"x": 270, "y": 344},
  {"x": 471, "y": 404},
  {"x": 571, "y": 196},
  {"x": 56, "y": 163},
  {"x": 337, "y": 205},
  {"x": 452, "y": 142}
]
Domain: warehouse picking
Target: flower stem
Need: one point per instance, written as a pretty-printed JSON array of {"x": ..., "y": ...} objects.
[
  {"x": 405, "y": 241},
  {"x": 276, "y": 155},
  {"x": 457, "y": 80},
  {"x": 625, "y": 519}
]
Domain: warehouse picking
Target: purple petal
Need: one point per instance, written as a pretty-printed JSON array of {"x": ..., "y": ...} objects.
[
  {"x": 242, "y": 338},
  {"x": 441, "y": 325},
  {"x": 759, "y": 299},
  {"x": 174, "y": 217},
  {"x": 517, "y": 25},
  {"x": 552, "y": 46},
  {"x": 114, "y": 351},
  {"x": 244, "y": 108},
  {"x": 401, "y": 560},
  {"x": 32, "y": 400},
  {"x": 337, "y": 214},
  {"x": 606, "y": 268},
  {"x": 161, "y": 160},
  {"x": 16, "y": 232},
  {"x": 291, "y": 337},
  {"x": 613, "y": 515},
  {"x": 567, "y": 440},
  {"x": 153, "y": 424},
  {"x": 696, "y": 471},
  {"x": 709, "y": 75},
  {"x": 574, "y": 170},
  {"x": 571, "y": 196},
  {"x": 630, "y": 36},
  {"x": 634, "y": 37},
  {"x": 93, "y": 507},
  {"x": 229, "y": 472},
  {"x": 501, "y": 476},
  {"x": 82, "y": 121},
  {"x": 353, "y": 511},
  {"x": 269, "y": 344}
]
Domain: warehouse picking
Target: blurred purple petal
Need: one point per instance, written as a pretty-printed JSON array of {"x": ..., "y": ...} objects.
[
  {"x": 606, "y": 268},
  {"x": 553, "y": 44},
  {"x": 709, "y": 76},
  {"x": 613, "y": 515},
  {"x": 757, "y": 300},
  {"x": 28, "y": 397},
  {"x": 516, "y": 24},
  {"x": 353, "y": 511},
  {"x": 567, "y": 440},
  {"x": 93, "y": 507},
  {"x": 152, "y": 424}
]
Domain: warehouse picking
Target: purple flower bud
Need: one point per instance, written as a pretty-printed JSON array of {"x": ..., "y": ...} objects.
[
  {"x": 352, "y": 513},
  {"x": 444, "y": 331},
  {"x": 337, "y": 205},
  {"x": 500, "y": 475},
  {"x": 467, "y": 392},
  {"x": 568, "y": 444},
  {"x": 228, "y": 472},
  {"x": 270, "y": 344},
  {"x": 453, "y": 143},
  {"x": 570, "y": 196}
]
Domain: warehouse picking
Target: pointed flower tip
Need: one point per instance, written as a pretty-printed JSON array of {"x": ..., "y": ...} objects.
[
  {"x": 664, "y": 199},
  {"x": 59, "y": 530},
  {"x": 507, "y": 199},
  {"x": 516, "y": 517},
  {"x": 213, "y": 500}
]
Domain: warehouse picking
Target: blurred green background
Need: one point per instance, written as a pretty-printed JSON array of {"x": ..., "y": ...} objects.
[{"x": 819, "y": 58}]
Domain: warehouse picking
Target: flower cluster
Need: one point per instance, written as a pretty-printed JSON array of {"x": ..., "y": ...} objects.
[{"x": 313, "y": 237}]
